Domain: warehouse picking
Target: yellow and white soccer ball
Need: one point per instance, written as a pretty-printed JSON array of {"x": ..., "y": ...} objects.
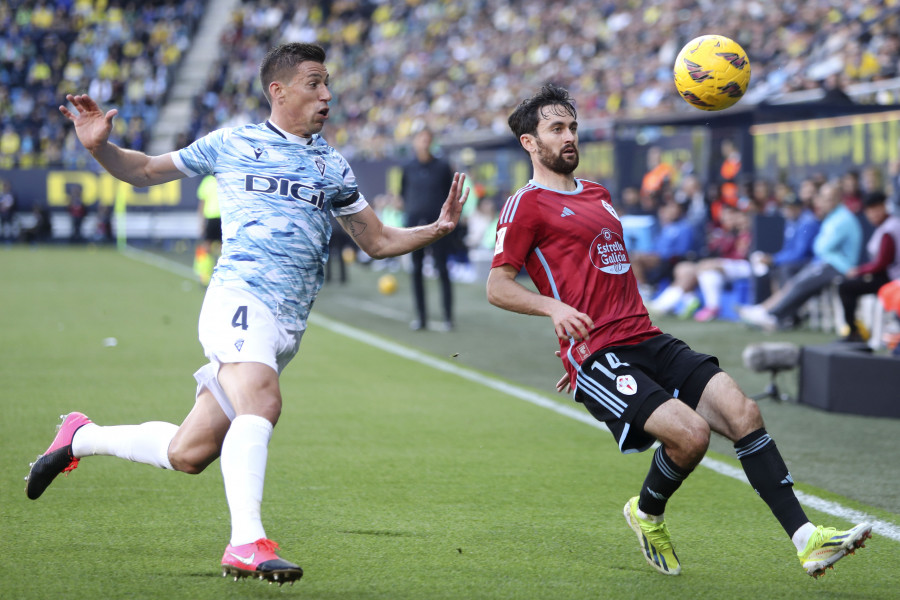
[{"x": 712, "y": 72}]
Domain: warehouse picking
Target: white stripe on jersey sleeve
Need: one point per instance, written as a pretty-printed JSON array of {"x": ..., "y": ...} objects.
[{"x": 179, "y": 164}]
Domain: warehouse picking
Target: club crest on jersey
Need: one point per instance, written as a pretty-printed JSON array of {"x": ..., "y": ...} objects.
[
  {"x": 626, "y": 385},
  {"x": 498, "y": 245},
  {"x": 607, "y": 253},
  {"x": 321, "y": 164},
  {"x": 610, "y": 208}
]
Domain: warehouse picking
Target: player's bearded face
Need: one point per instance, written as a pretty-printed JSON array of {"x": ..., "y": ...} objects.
[{"x": 563, "y": 161}]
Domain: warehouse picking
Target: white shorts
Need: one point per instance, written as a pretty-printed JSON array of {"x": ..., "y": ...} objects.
[
  {"x": 235, "y": 326},
  {"x": 735, "y": 268}
]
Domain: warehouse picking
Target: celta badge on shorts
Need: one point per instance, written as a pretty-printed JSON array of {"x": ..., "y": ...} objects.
[
  {"x": 582, "y": 350},
  {"x": 608, "y": 253},
  {"x": 626, "y": 385}
]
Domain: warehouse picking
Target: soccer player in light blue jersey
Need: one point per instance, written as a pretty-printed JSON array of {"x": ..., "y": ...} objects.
[{"x": 278, "y": 181}]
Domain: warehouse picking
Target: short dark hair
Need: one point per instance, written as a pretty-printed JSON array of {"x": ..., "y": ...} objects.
[
  {"x": 528, "y": 114},
  {"x": 281, "y": 62},
  {"x": 876, "y": 198}
]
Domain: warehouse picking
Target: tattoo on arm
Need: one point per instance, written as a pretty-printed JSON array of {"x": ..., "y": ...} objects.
[{"x": 356, "y": 228}]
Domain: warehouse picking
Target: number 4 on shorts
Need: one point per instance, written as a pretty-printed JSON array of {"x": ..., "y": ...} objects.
[{"x": 240, "y": 318}]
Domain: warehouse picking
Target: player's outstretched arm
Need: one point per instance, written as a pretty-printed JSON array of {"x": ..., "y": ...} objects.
[
  {"x": 380, "y": 241},
  {"x": 93, "y": 127},
  {"x": 505, "y": 292}
]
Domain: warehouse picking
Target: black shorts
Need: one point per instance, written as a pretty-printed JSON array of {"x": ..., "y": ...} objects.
[{"x": 623, "y": 385}]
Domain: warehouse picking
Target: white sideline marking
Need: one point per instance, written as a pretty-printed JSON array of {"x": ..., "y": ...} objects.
[
  {"x": 884, "y": 528},
  {"x": 161, "y": 262}
]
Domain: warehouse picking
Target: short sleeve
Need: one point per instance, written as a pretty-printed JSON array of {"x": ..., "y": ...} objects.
[
  {"x": 349, "y": 201},
  {"x": 200, "y": 157},
  {"x": 516, "y": 234}
]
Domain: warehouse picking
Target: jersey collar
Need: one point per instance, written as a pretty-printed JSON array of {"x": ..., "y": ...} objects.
[
  {"x": 578, "y": 189},
  {"x": 290, "y": 136}
]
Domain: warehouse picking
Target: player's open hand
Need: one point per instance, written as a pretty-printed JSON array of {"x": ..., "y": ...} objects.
[
  {"x": 564, "y": 385},
  {"x": 91, "y": 126},
  {"x": 452, "y": 208},
  {"x": 569, "y": 322}
]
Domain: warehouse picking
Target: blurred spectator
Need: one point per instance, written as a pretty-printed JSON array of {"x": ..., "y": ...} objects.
[
  {"x": 725, "y": 253},
  {"x": 690, "y": 194},
  {"x": 675, "y": 242},
  {"x": 339, "y": 243},
  {"x": 889, "y": 297},
  {"x": 659, "y": 176},
  {"x": 104, "y": 231},
  {"x": 851, "y": 191},
  {"x": 8, "y": 206},
  {"x": 836, "y": 249},
  {"x": 714, "y": 274},
  {"x": 762, "y": 198},
  {"x": 423, "y": 185},
  {"x": 207, "y": 252},
  {"x": 482, "y": 225},
  {"x": 883, "y": 266},
  {"x": 77, "y": 212},
  {"x": 633, "y": 203},
  {"x": 800, "y": 229},
  {"x": 41, "y": 229},
  {"x": 871, "y": 179}
]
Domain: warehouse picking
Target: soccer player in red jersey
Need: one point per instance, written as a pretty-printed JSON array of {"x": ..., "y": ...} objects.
[{"x": 645, "y": 385}]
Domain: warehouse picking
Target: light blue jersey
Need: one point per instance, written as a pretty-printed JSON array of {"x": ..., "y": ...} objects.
[{"x": 275, "y": 191}]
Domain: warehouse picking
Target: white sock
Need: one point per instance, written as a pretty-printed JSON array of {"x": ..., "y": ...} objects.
[
  {"x": 147, "y": 443},
  {"x": 801, "y": 536},
  {"x": 668, "y": 299},
  {"x": 711, "y": 283},
  {"x": 651, "y": 518},
  {"x": 244, "y": 454}
]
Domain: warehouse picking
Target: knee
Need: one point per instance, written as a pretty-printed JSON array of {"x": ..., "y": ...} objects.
[
  {"x": 746, "y": 420},
  {"x": 192, "y": 461},
  {"x": 185, "y": 465},
  {"x": 696, "y": 439},
  {"x": 688, "y": 448}
]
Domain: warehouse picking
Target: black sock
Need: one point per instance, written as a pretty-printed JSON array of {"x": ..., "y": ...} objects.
[
  {"x": 771, "y": 479},
  {"x": 662, "y": 480}
]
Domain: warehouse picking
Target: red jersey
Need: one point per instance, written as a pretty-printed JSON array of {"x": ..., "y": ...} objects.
[{"x": 572, "y": 247}]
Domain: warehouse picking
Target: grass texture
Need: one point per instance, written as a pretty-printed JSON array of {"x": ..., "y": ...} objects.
[{"x": 386, "y": 478}]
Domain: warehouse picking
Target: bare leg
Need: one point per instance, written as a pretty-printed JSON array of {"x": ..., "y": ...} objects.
[{"x": 198, "y": 441}]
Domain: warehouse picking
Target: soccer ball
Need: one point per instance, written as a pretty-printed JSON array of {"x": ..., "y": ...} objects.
[
  {"x": 712, "y": 72},
  {"x": 387, "y": 284}
]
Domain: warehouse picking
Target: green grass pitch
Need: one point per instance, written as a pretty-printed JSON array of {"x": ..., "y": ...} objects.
[{"x": 386, "y": 478}]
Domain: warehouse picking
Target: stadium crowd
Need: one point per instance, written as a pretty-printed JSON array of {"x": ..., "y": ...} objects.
[
  {"x": 124, "y": 54},
  {"x": 458, "y": 64},
  {"x": 455, "y": 66}
]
